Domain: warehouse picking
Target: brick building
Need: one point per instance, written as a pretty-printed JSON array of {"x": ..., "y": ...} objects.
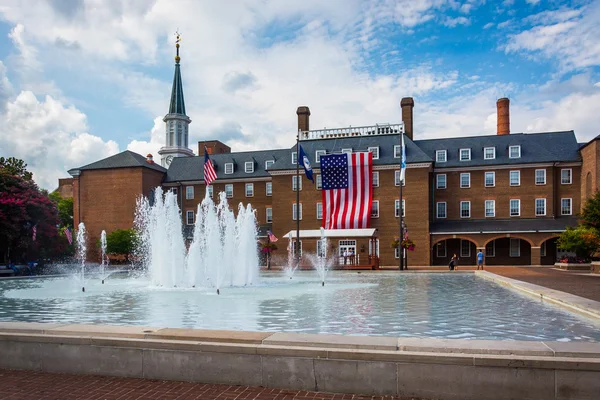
[{"x": 509, "y": 194}]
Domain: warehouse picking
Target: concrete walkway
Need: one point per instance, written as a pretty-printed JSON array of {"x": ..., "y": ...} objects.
[{"x": 29, "y": 385}]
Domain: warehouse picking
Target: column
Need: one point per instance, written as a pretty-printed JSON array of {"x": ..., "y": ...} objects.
[{"x": 536, "y": 255}]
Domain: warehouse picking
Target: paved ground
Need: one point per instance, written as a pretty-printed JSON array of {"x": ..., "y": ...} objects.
[{"x": 28, "y": 385}]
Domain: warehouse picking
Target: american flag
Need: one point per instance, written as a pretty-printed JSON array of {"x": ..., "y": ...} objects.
[
  {"x": 69, "y": 235},
  {"x": 272, "y": 237},
  {"x": 34, "y": 232},
  {"x": 209, "y": 169},
  {"x": 347, "y": 190}
]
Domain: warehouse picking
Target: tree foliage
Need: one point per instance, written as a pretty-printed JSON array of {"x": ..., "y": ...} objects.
[
  {"x": 121, "y": 242},
  {"x": 65, "y": 209},
  {"x": 590, "y": 216},
  {"x": 14, "y": 166},
  {"x": 582, "y": 240}
]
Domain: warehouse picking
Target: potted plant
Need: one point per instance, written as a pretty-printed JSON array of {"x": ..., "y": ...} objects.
[{"x": 267, "y": 248}]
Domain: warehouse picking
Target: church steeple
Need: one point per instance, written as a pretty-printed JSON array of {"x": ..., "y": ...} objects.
[{"x": 176, "y": 121}]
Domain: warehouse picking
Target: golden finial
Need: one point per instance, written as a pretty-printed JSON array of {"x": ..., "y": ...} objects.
[{"x": 177, "y": 40}]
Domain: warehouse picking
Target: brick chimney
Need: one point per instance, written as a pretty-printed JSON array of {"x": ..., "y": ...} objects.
[
  {"x": 149, "y": 159},
  {"x": 503, "y": 106},
  {"x": 407, "y": 104},
  {"x": 303, "y": 118}
]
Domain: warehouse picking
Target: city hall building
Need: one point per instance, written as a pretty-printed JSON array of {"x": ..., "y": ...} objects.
[{"x": 509, "y": 194}]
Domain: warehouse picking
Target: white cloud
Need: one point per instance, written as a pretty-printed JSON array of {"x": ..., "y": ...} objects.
[
  {"x": 452, "y": 22},
  {"x": 488, "y": 25},
  {"x": 157, "y": 140},
  {"x": 532, "y": 2}
]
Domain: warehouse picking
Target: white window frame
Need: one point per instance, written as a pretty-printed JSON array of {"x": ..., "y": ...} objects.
[
  {"x": 187, "y": 217},
  {"x": 229, "y": 186},
  {"x": 510, "y": 148},
  {"x": 318, "y": 154},
  {"x": 485, "y": 208},
  {"x": 294, "y": 212},
  {"x": 461, "y": 180},
  {"x": 397, "y": 151},
  {"x": 319, "y": 210},
  {"x": 438, "y": 247},
  {"x": 210, "y": 190},
  {"x": 269, "y": 163},
  {"x": 375, "y": 208},
  {"x": 437, "y": 210},
  {"x": 536, "y": 176},
  {"x": 437, "y": 181},
  {"x": 228, "y": 167},
  {"x": 462, "y": 254},
  {"x": 375, "y": 179},
  {"x": 295, "y": 180},
  {"x": 510, "y": 173},
  {"x": 485, "y": 156},
  {"x": 347, "y": 151},
  {"x": 562, "y": 209},
  {"x": 375, "y": 151},
  {"x": 397, "y": 178},
  {"x": 461, "y": 209},
  {"x": 397, "y": 252},
  {"x": 485, "y": 175},
  {"x": 268, "y": 189},
  {"x": 294, "y": 247},
  {"x": 460, "y": 155},
  {"x": 562, "y": 181},
  {"x": 249, "y": 167},
  {"x": 251, "y": 187},
  {"x": 536, "y": 208},
  {"x": 319, "y": 182},
  {"x": 268, "y": 217},
  {"x": 189, "y": 192},
  {"x": 438, "y": 153},
  {"x": 543, "y": 249},
  {"x": 294, "y": 158},
  {"x": 493, "y": 253},
  {"x": 321, "y": 249},
  {"x": 518, "y": 247},
  {"x": 510, "y": 208},
  {"x": 396, "y": 210}
]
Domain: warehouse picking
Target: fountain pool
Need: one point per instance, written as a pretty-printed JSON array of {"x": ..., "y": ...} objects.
[{"x": 408, "y": 305}]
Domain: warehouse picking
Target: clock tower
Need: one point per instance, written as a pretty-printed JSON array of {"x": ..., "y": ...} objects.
[{"x": 176, "y": 121}]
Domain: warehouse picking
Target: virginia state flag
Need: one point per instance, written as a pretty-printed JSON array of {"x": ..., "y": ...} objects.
[{"x": 303, "y": 160}]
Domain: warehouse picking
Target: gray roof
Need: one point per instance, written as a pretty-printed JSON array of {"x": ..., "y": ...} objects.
[
  {"x": 125, "y": 159},
  {"x": 535, "y": 148},
  {"x": 192, "y": 168},
  {"x": 498, "y": 225}
]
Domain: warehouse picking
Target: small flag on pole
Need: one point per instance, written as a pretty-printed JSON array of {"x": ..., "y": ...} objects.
[
  {"x": 306, "y": 164},
  {"x": 209, "y": 169},
  {"x": 69, "y": 235},
  {"x": 272, "y": 237},
  {"x": 34, "y": 232}
]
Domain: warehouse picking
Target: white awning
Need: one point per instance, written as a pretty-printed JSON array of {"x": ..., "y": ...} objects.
[{"x": 332, "y": 233}]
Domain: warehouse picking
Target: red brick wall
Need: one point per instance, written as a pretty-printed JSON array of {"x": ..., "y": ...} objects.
[{"x": 590, "y": 155}]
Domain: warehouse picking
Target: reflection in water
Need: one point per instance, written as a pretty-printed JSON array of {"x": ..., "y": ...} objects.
[{"x": 416, "y": 304}]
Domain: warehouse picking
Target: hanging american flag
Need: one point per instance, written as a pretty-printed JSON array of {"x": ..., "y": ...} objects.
[
  {"x": 272, "y": 237},
  {"x": 347, "y": 190},
  {"x": 69, "y": 235},
  {"x": 209, "y": 169}
]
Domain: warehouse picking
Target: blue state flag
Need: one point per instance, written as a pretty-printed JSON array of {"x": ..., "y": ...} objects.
[{"x": 303, "y": 160}]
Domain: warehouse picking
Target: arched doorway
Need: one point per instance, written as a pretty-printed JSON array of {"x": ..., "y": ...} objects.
[
  {"x": 508, "y": 251},
  {"x": 443, "y": 250},
  {"x": 548, "y": 251}
]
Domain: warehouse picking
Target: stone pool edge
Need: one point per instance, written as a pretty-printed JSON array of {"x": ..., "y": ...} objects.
[{"x": 429, "y": 368}]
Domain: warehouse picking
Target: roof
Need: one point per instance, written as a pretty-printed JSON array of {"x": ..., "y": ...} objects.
[
  {"x": 177, "y": 105},
  {"x": 125, "y": 159},
  {"x": 535, "y": 148},
  {"x": 502, "y": 226},
  {"x": 582, "y": 145},
  {"x": 332, "y": 233}
]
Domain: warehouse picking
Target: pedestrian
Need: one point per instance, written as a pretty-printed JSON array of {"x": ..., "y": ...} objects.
[
  {"x": 345, "y": 255},
  {"x": 453, "y": 263},
  {"x": 480, "y": 260}
]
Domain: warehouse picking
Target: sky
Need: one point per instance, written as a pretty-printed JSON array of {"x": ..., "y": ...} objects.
[{"x": 81, "y": 80}]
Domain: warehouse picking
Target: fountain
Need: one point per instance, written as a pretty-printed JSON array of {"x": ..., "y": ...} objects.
[
  {"x": 291, "y": 265},
  {"x": 104, "y": 257},
  {"x": 82, "y": 251},
  {"x": 321, "y": 262}
]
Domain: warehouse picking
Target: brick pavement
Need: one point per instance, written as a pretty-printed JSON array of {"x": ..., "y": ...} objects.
[{"x": 31, "y": 385}]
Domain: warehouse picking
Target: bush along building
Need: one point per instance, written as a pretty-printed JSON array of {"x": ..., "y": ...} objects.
[{"x": 509, "y": 195}]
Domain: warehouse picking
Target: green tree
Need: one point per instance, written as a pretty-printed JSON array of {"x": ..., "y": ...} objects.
[
  {"x": 590, "y": 216},
  {"x": 582, "y": 240},
  {"x": 65, "y": 209},
  {"x": 15, "y": 166},
  {"x": 121, "y": 242}
]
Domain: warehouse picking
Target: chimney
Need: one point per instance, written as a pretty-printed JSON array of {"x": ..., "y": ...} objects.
[
  {"x": 303, "y": 118},
  {"x": 503, "y": 106},
  {"x": 407, "y": 104},
  {"x": 149, "y": 158}
]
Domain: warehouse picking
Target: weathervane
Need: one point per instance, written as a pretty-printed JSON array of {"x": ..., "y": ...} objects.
[{"x": 177, "y": 40}]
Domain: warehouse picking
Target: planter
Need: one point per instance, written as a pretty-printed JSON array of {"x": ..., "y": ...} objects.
[
  {"x": 574, "y": 267},
  {"x": 596, "y": 267}
]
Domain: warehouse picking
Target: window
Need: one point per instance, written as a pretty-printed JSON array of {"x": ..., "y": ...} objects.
[
  {"x": 319, "y": 181},
  {"x": 297, "y": 246},
  {"x": 347, "y": 151},
  {"x": 490, "y": 208},
  {"x": 490, "y": 179},
  {"x": 228, "y": 168},
  {"x": 295, "y": 180},
  {"x": 375, "y": 209},
  {"x": 440, "y": 249},
  {"x": 490, "y": 249},
  {"x": 376, "y": 248},
  {"x": 543, "y": 250},
  {"x": 397, "y": 208},
  {"x": 397, "y": 178},
  {"x": 375, "y": 151},
  {"x": 375, "y": 179},
  {"x": 396, "y": 252},
  {"x": 515, "y": 247},
  {"x": 294, "y": 158},
  {"x": 565, "y": 206},
  {"x": 441, "y": 209},
  {"x": 321, "y": 248},
  {"x": 515, "y": 178},
  {"x": 397, "y": 151},
  {"x": 295, "y": 215},
  {"x": 269, "y": 215},
  {"x": 269, "y": 188},
  {"x": 189, "y": 192},
  {"x": 489, "y": 153},
  {"x": 440, "y": 181},
  {"x": 269, "y": 163},
  {"x": 249, "y": 189},
  {"x": 514, "y": 152},
  {"x": 209, "y": 189},
  {"x": 465, "y": 248},
  {"x": 465, "y": 209},
  {"x": 318, "y": 155},
  {"x": 540, "y": 176},
  {"x": 566, "y": 176},
  {"x": 515, "y": 208},
  {"x": 189, "y": 217},
  {"x": 229, "y": 191},
  {"x": 440, "y": 156},
  {"x": 465, "y": 180},
  {"x": 319, "y": 210},
  {"x": 465, "y": 154},
  {"x": 540, "y": 207},
  {"x": 249, "y": 167}
]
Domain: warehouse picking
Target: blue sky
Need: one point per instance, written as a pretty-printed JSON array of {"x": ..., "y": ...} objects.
[{"x": 84, "y": 79}]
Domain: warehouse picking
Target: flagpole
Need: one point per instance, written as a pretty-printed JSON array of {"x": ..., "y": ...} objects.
[
  {"x": 400, "y": 249},
  {"x": 298, "y": 199}
]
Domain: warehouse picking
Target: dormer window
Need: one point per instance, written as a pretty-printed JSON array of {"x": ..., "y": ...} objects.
[
  {"x": 347, "y": 151},
  {"x": 465, "y": 154},
  {"x": 294, "y": 158},
  {"x": 269, "y": 163},
  {"x": 514, "y": 152},
  {"x": 318, "y": 155},
  {"x": 397, "y": 151},
  {"x": 441, "y": 156},
  {"x": 249, "y": 167},
  {"x": 374, "y": 151},
  {"x": 489, "y": 153},
  {"x": 228, "y": 168}
]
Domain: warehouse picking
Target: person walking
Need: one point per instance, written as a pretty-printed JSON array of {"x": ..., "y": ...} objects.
[
  {"x": 453, "y": 263},
  {"x": 480, "y": 260}
]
